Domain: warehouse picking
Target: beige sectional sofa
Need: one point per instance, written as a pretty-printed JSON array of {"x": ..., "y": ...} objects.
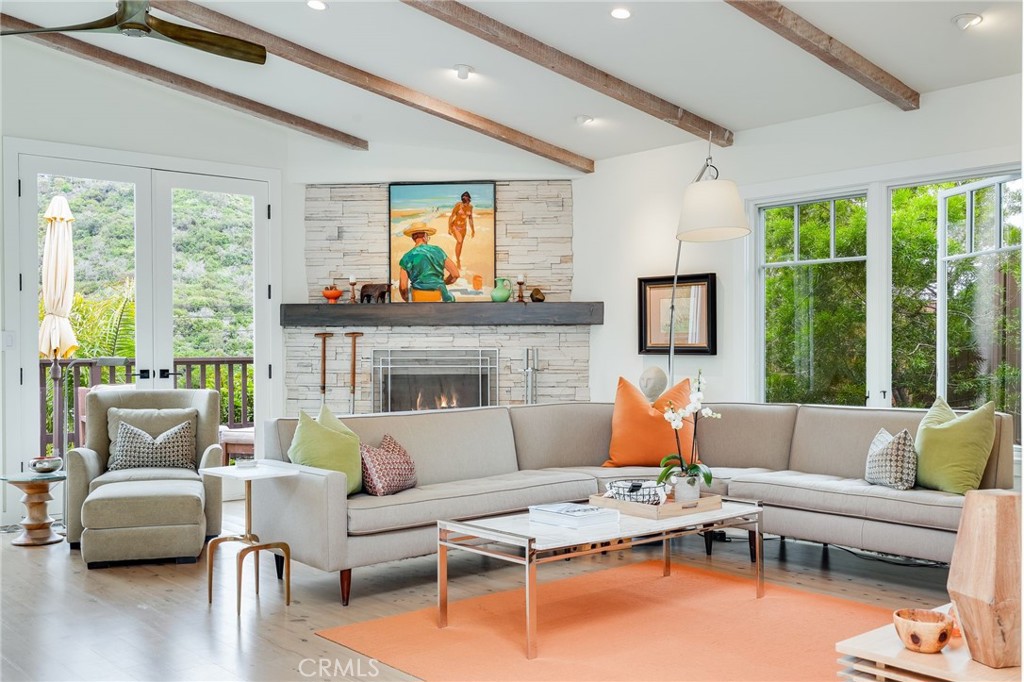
[{"x": 805, "y": 463}]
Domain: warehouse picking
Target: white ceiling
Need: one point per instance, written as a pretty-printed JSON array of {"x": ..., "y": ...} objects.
[{"x": 702, "y": 55}]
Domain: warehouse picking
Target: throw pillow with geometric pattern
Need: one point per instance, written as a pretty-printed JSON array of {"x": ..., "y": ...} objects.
[
  {"x": 387, "y": 468},
  {"x": 892, "y": 460},
  {"x": 136, "y": 449}
]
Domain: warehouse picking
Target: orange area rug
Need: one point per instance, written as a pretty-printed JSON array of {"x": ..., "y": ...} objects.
[{"x": 625, "y": 623}]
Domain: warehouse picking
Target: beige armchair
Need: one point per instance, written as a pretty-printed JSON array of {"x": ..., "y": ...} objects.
[{"x": 145, "y": 513}]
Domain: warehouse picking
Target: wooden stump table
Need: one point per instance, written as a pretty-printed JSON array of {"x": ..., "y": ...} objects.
[{"x": 36, "y": 526}]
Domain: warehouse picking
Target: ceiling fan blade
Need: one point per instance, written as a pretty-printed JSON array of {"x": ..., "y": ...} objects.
[
  {"x": 98, "y": 25},
  {"x": 208, "y": 41}
]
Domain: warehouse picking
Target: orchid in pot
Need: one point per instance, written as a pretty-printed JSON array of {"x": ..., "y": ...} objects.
[{"x": 685, "y": 472}]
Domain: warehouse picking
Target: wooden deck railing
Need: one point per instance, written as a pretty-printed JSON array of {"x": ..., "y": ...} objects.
[{"x": 231, "y": 377}]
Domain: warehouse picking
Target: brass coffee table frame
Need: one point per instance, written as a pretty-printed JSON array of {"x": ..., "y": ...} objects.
[{"x": 528, "y": 550}]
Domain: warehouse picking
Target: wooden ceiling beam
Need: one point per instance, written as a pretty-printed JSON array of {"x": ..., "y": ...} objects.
[
  {"x": 836, "y": 54},
  {"x": 293, "y": 52},
  {"x": 518, "y": 43},
  {"x": 174, "y": 81}
]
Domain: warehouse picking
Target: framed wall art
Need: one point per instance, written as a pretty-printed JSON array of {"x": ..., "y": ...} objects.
[
  {"x": 695, "y": 320},
  {"x": 442, "y": 241}
]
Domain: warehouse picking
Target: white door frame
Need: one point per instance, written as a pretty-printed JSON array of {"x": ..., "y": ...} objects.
[{"x": 18, "y": 319}]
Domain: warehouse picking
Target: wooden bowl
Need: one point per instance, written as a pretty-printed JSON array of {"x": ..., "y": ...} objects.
[{"x": 922, "y": 630}]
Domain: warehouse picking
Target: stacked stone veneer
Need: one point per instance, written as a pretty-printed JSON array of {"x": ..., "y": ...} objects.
[{"x": 347, "y": 235}]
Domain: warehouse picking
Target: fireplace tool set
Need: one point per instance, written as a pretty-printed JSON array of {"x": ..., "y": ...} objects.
[{"x": 323, "y": 336}]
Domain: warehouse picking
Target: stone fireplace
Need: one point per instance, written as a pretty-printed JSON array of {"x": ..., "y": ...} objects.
[{"x": 434, "y": 379}]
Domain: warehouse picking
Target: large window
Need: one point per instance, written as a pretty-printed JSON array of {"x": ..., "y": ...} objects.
[
  {"x": 815, "y": 293},
  {"x": 952, "y": 252}
]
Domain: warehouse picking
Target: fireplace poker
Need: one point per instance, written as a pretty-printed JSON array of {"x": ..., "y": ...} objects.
[
  {"x": 352, "y": 374},
  {"x": 323, "y": 336}
]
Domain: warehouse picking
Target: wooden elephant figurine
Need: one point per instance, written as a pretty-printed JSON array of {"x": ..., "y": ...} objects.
[{"x": 375, "y": 293}]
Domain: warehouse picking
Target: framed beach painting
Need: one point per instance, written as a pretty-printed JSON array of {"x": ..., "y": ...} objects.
[
  {"x": 695, "y": 332},
  {"x": 442, "y": 241}
]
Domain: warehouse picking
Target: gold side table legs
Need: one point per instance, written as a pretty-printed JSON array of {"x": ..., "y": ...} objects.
[{"x": 252, "y": 546}]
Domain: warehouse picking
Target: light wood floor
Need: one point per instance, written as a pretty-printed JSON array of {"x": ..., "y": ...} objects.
[{"x": 61, "y": 621}]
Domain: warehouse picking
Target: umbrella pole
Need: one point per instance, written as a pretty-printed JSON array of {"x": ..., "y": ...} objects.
[{"x": 58, "y": 408}]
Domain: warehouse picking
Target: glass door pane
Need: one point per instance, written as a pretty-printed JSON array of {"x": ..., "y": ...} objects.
[{"x": 212, "y": 224}]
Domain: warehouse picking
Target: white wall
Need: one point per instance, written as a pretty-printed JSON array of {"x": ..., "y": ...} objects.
[{"x": 626, "y": 212}]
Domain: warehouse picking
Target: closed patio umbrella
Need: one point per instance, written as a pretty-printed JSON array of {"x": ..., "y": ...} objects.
[{"x": 56, "y": 337}]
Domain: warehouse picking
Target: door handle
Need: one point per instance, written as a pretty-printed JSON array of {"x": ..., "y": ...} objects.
[
  {"x": 142, "y": 374},
  {"x": 166, "y": 374}
]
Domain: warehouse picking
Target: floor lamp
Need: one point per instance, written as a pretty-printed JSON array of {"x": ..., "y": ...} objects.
[{"x": 712, "y": 212}]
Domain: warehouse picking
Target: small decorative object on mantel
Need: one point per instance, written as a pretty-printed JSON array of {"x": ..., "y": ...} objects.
[
  {"x": 352, "y": 283},
  {"x": 923, "y": 631},
  {"x": 502, "y": 291},
  {"x": 537, "y": 296},
  {"x": 520, "y": 280},
  {"x": 375, "y": 293},
  {"x": 684, "y": 473},
  {"x": 332, "y": 293},
  {"x": 45, "y": 465}
]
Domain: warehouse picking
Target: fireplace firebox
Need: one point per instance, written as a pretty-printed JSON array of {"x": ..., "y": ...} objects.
[{"x": 406, "y": 379}]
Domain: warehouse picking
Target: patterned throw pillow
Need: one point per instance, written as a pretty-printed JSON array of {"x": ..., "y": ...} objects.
[
  {"x": 387, "y": 468},
  {"x": 892, "y": 460},
  {"x": 172, "y": 449}
]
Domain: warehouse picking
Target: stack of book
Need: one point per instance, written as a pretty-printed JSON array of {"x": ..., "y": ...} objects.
[{"x": 570, "y": 515}]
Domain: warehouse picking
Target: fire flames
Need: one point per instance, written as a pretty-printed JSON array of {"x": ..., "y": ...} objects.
[{"x": 443, "y": 401}]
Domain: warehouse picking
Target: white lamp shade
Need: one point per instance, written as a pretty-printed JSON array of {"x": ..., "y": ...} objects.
[{"x": 712, "y": 212}]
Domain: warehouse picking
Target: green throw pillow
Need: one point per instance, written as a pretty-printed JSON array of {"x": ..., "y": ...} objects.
[
  {"x": 326, "y": 443},
  {"x": 952, "y": 451}
]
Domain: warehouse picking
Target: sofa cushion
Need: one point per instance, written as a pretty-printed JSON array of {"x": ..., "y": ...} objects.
[
  {"x": 851, "y": 497},
  {"x": 136, "y": 449},
  {"x": 446, "y": 445},
  {"x": 951, "y": 450},
  {"x": 490, "y": 495},
  {"x": 387, "y": 469},
  {"x": 144, "y": 503},
  {"x": 747, "y": 435},
  {"x": 143, "y": 474},
  {"x": 892, "y": 460},
  {"x": 640, "y": 434},
  {"x": 326, "y": 443},
  {"x": 154, "y": 422},
  {"x": 561, "y": 435}
]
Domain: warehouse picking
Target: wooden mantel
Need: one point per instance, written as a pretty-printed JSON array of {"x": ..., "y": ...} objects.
[{"x": 440, "y": 314}]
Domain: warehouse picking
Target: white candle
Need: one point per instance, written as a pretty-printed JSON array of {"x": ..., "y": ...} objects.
[
  {"x": 520, "y": 279},
  {"x": 351, "y": 279}
]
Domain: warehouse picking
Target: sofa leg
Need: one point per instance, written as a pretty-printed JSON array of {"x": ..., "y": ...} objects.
[
  {"x": 709, "y": 538},
  {"x": 279, "y": 565},
  {"x": 185, "y": 559},
  {"x": 752, "y": 541},
  {"x": 346, "y": 585}
]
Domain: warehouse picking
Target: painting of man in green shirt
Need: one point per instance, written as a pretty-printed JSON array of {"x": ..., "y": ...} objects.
[{"x": 426, "y": 270}]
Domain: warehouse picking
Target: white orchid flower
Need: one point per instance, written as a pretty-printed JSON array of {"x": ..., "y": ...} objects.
[{"x": 706, "y": 412}]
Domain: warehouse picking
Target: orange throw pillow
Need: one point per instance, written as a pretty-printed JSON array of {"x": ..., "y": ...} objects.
[{"x": 640, "y": 434}]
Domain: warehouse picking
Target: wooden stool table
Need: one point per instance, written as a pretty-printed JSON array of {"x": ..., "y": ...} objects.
[
  {"x": 37, "y": 524},
  {"x": 248, "y": 474},
  {"x": 235, "y": 442}
]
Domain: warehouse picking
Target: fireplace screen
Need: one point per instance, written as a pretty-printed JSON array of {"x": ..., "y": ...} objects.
[{"x": 434, "y": 379}]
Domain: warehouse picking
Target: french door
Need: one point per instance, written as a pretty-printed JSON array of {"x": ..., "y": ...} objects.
[{"x": 165, "y": 262}]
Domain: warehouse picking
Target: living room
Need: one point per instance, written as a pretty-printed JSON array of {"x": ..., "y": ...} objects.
[{"x": 806, "y": 134}]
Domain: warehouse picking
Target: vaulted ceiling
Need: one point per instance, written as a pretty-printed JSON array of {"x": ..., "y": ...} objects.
[{"x": 706, "y": 57}]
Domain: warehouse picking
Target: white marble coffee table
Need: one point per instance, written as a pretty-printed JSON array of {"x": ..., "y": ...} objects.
[{"x": 515, "y": 539}]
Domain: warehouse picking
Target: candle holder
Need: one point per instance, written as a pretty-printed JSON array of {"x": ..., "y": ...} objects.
[
  {"x": 352, "y": 296},
  {"x": 519, "y": 298}
]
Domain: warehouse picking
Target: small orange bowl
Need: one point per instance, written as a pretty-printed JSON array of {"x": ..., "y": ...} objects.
[{"x": 924, "y": 631}]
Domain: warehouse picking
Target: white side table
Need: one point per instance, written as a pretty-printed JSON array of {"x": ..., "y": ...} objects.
[{"x": 252, "y": 541}]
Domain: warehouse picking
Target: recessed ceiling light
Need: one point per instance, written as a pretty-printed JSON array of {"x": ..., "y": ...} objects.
[
  {"x": 584, "y": 120},
  {"x": 965, "y": 21},
  {"x": 318, "y": 5},
  {"x": 463, "y": 71},
  {"x": 620, "y": 13}
]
